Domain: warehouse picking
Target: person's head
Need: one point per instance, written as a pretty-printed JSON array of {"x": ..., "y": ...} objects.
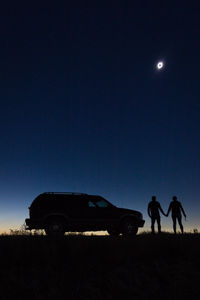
[
  {"x": 153, "y": 198},
  {"x": 174, "y": 198}
]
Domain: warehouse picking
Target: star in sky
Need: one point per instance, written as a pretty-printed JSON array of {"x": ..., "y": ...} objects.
[{"x": 160, "y": 65}]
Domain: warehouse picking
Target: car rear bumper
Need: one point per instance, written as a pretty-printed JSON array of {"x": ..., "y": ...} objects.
[{"x": 34, "y": 224}]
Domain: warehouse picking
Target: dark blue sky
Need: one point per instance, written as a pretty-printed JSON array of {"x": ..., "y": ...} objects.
[{"x": 84, "y": 109}]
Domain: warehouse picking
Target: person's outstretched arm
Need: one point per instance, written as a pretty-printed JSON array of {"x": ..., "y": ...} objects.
[
  {"x": 169, "y": 209},
  {"x": 149, "y": 211},
  {"x": 162, "y": 210},
  {"x": 181, "y": 207}
]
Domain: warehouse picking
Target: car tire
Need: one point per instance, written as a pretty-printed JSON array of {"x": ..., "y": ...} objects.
[
  {"x": 129, "y": 227},
  {"x": 55, "y": 227}
]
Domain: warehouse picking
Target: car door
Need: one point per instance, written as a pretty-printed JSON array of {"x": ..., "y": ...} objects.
[
  {"x": 85, "y": 214},
  {"x": 105, "y": 213},
  {"x": 93, "y": 214},
  {"x": 90, "y": 214}
]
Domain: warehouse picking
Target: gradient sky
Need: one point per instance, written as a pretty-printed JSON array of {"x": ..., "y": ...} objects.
[{"x": 84, "y": 109}]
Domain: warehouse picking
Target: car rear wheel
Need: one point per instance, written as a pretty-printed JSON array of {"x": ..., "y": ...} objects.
[
  {"x": 55, "y": 227},
  {"x": 129, "y": 228}
]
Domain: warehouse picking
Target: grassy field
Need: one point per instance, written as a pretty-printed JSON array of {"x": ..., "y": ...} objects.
[{"x": 100, "y": 267}]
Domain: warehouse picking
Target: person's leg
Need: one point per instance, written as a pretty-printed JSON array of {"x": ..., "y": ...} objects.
[
  {"x": 152, "y": 225},
  {"x": 159, "y": 225},
  {"x": 180, "y": 222},
  {"x": 174, "y": 223}
]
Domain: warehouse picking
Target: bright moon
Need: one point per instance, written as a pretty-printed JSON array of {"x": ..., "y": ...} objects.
[{"x": 160, "y": 65}]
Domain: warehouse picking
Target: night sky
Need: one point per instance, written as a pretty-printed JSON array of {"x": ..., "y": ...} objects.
[{"x": 84, "y": 109}]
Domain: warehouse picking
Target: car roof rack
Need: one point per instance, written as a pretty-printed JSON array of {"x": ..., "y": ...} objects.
[{"x": 66, "y": 193}]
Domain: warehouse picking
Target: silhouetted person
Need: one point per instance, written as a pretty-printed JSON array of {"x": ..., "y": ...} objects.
[
  {"x": 176, "y": 208},
  {"x": 153, "y": 212}
]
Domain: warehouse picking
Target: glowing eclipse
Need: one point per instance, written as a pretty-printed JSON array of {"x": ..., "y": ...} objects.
[{"x": 160, "y": 65}]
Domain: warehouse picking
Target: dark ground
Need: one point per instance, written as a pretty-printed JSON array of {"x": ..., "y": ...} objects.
[{"x": 100, "y": 267}]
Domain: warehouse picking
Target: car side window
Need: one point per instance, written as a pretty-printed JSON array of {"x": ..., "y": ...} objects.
[{"x": 91, "y": 204}]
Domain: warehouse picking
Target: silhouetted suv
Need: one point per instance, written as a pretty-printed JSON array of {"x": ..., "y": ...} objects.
[{"x": 58, "y": 213}]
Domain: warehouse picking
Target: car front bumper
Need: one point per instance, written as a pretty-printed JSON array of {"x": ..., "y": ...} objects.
[{"x": 141, "y": 223}]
